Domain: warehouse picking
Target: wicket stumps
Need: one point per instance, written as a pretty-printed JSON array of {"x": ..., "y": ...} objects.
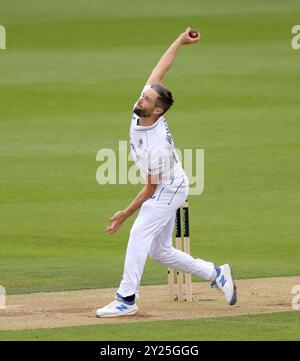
[{"x": 186, "y": 244}]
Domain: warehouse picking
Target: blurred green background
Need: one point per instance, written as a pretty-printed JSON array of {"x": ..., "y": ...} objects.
[{"x": 68, "y": 80}]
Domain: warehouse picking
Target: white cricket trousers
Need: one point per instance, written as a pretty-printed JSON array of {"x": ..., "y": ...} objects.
[{"x": 151, "y": 234}]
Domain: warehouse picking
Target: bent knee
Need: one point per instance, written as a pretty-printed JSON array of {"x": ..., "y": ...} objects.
[{"x": 160, "y": 255}]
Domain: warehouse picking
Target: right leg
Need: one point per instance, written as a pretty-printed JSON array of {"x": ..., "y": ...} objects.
[{"x": 163, "y": 252}]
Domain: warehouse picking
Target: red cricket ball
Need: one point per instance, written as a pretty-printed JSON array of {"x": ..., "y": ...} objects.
[{"x": 193, "y": 34}]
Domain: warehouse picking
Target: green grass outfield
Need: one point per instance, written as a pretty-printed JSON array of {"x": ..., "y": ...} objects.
[
  {"x": 68, "y": 80},
  {"x": 276, "y": 326}
]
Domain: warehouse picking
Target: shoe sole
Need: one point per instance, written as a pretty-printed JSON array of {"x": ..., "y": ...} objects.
[
  {"x": 233, "y": 299},
  {"x": 132, "y": 313}
]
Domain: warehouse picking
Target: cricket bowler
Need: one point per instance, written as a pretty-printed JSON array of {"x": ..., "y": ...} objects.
[{"x": 165, "y": 190}]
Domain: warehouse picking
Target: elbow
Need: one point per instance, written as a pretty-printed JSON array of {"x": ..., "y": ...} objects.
[
  {"x": 153, "y": 189},
  {"x": 150, "y": 189},
  {"x": 151, "y": 184}
]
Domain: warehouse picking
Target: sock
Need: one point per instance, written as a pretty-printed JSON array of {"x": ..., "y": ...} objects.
[{"x": 129, "y": 300}]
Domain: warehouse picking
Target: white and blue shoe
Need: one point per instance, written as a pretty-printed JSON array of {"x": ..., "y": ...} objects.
[
  {"x": 225, "y": 282},
  {"x": 118, "y": 308}
]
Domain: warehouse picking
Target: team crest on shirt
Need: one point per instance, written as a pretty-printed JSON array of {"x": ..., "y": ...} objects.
[{"x": 140, "y": 143}]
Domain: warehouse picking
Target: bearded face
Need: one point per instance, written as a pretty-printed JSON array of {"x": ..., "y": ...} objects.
[
  {"x": 146, "y": 106},
  {"x": 142, "y": 112}
]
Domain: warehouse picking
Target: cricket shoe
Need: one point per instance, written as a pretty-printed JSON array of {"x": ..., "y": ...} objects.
[
  {"x": 225, "y": 282},
  {"x": 117, "y": 308}
]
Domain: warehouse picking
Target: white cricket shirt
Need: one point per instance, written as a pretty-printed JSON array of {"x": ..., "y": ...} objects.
[{"x": 153, "y": 149}]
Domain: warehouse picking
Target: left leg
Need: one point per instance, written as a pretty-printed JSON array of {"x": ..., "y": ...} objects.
[{"x": 151, "y": 220}]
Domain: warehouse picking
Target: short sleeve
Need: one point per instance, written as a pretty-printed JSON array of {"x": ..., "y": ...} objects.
[{"x": 158, "y": 160}]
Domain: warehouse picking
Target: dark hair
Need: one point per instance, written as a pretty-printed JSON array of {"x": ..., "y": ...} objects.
[{"x": 165, "y": 98}]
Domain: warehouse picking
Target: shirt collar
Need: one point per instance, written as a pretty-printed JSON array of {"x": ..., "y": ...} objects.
[{"x": 146, "y": 127}]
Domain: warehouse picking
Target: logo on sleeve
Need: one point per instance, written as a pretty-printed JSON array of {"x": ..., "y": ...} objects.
[{"x": 169, "y": 137}]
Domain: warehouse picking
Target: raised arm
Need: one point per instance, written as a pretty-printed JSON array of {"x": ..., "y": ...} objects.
[{"x": 168, "y": 57}]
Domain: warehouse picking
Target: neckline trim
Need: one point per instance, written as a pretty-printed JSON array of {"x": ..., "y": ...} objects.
[{"x": 146, "y": 127}]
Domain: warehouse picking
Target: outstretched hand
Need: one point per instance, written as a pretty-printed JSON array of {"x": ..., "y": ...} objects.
[
  {"x": 186, "y": 39},
  {"x": 116, "y": 222}
]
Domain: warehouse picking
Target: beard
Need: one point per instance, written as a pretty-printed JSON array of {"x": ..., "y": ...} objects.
[{"x": 141, "y": 112}]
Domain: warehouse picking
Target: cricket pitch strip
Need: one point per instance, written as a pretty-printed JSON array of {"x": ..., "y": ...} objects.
[{"x": 77, "y": 308}]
